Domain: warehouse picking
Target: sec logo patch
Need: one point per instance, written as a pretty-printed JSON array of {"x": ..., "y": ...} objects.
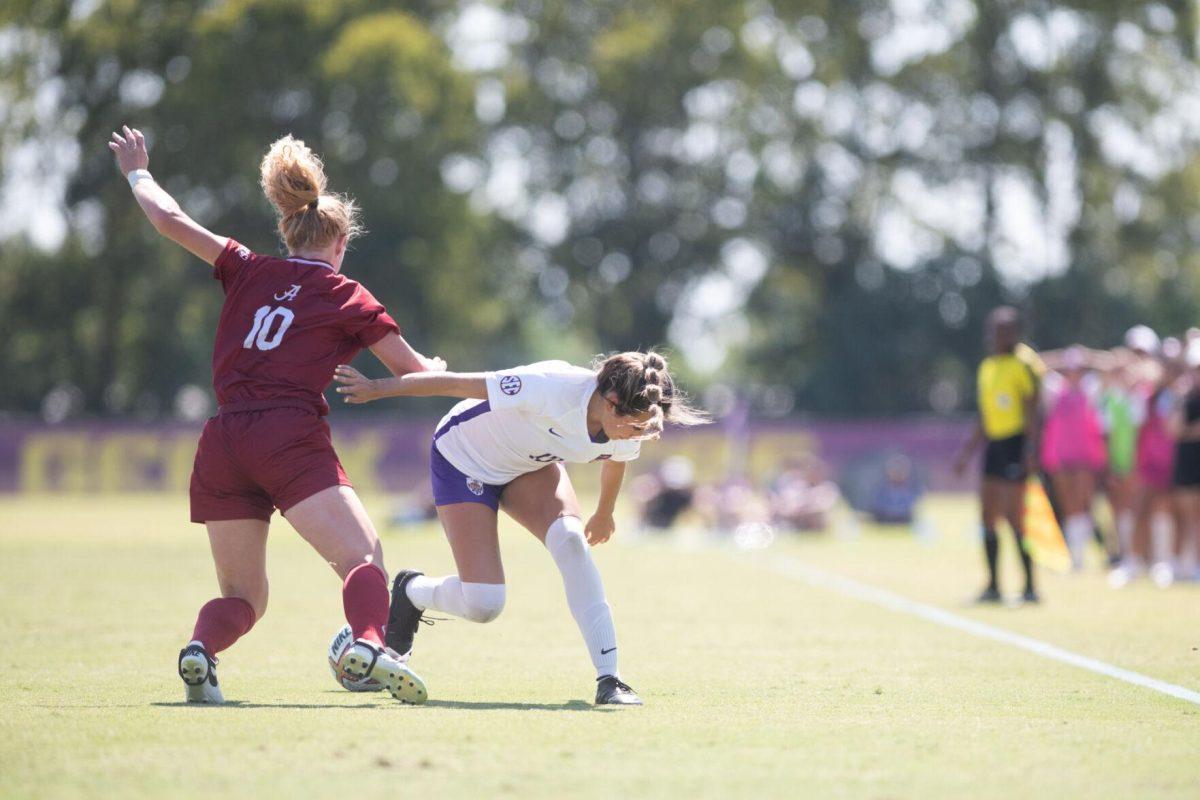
[{"x": 510, "y": 384}]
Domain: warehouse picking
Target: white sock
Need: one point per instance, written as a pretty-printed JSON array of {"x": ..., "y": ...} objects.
[
  {"x": 1078, "y": 532},
  {"x": 1126, "y": 521},
  {"x": 1162, "y": 532},
  {"x": 478, "y": 602},
  {"x": 1187, "y": 559},
  {"x": 585, "y": 592}
]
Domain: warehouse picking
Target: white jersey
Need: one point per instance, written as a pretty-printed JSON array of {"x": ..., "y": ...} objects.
[{"x": 534, "y": 415}]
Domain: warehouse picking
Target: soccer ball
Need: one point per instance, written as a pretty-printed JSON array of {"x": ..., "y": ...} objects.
[{"x": 337, "y": 651}]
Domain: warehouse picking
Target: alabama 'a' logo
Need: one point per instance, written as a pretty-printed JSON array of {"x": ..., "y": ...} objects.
[
  {"x": 290, "y": 294},
  {"x": 510, "y": 384}
]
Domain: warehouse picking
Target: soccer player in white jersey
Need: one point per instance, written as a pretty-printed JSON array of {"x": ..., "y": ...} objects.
[{"x": 504, "y": 446}]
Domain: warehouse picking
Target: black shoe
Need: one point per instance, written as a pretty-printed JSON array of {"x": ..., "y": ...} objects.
[
  {"x": 403, "y": 616},
  {"x": 990, "y": 595},
  {"x": 1030, "y": 596},
  {"x": 610, "y": 691}
]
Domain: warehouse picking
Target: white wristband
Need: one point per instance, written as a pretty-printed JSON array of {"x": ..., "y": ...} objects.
[{"x": 136, "y": 175}]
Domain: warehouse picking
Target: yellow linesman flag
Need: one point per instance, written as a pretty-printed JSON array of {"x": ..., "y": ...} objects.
[{"x": 1043, "y": 538}]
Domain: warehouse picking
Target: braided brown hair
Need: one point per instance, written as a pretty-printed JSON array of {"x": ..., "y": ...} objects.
[{"x": 640, "y": 382}]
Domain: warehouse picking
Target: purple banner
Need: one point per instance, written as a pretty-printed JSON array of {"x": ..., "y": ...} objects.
[{"x": 392, "y": 457}]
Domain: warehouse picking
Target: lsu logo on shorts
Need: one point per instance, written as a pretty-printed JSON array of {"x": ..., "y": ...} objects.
[
  {"x": 476, "y": 486},
  {"x": 510, "y": 384}
]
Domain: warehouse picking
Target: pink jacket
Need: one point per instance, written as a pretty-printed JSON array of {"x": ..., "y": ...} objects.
[{"x": 1073, "y": 437}]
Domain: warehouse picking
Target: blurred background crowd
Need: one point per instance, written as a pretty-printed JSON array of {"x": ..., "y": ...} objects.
[
  {"x": 1120, "y": 435},
  {"x": 1130, "y": 413}
]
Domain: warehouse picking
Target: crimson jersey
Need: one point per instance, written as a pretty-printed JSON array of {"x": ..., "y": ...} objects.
[{"x": 285, "y": 325}]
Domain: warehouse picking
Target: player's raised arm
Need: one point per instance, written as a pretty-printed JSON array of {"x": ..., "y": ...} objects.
[
  {"x": 358, "y": 388},
  {"x": 161, "y": 209}
]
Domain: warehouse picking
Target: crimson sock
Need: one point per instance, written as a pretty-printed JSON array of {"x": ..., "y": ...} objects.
[
  {"x": 365, "y": 599},
  {"x": 222, "y": 622}
]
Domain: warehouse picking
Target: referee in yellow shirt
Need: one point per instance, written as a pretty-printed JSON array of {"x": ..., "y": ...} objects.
[{"x": 1008, "y": 385}]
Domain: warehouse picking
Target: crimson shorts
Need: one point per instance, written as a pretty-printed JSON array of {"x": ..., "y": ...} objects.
[{"x": 250, "y": 462}]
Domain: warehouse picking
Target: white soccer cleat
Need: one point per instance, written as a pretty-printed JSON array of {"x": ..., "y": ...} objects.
[
  {"x": 199, "y": 672},
  {"x": 364, "y": 659},
  {"x": 1120, "y": 577},
  {"x": 1162, "y": 574}
]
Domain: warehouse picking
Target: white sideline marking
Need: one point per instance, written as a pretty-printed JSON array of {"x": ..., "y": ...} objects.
[{"x": 798, "y": 571}]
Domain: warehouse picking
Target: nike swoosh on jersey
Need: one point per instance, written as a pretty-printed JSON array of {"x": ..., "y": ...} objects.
[{"x": 556, "y": 433}]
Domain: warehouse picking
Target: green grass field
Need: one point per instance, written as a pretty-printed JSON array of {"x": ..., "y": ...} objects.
[{"x": 756, "y": 685}]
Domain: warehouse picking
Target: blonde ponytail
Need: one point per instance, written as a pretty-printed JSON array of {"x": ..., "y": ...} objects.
[{"x": 293, "y": 179}]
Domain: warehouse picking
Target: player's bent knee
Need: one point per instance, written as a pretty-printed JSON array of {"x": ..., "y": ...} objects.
[
  {"x": 484, "y": 601},
  {"x": 566, "y": 537}
]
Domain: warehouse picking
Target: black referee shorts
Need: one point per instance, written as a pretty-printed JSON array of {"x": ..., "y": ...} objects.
[
  {"x": 1187, "y": 466},
  {"x": 1004, "y": 459}
]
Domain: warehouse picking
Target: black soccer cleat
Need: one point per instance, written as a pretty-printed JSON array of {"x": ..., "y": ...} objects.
[
  {"x": 611, "y": 691},
  {"x": 1030, "y": 596},
  {"x": 403, "y": 616},
  {"x": 989, "y": 595}
]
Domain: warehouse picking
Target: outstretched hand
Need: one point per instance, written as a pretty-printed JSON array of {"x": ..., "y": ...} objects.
[
  {"x": 356, "y": 387},
  {"x": 130, "y": 149},
  {"x": 599, "y": 528}
]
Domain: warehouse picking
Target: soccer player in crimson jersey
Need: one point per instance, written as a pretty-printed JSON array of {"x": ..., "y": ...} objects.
[{"x": 286, "y": 324}]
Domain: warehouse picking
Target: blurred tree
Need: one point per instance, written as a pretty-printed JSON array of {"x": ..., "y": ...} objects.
[
  {"x": 808, "y": 194},
  {"x": 990, "y": 152},
  {"x": 127, "y": 317}
]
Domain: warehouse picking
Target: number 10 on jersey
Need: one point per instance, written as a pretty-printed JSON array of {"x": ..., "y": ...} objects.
[{"x": 261, "y": 334}]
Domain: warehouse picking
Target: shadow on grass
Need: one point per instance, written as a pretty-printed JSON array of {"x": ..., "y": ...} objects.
[
  {"x": 245, "y": 704},
  {"x": 88, "y": 705},
  {"x": 472, "y": 705},
  {"x": 468, "y": 705}
]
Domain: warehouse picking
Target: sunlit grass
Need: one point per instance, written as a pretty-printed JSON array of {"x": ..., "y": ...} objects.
[{"x": 755, "y": 685}]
